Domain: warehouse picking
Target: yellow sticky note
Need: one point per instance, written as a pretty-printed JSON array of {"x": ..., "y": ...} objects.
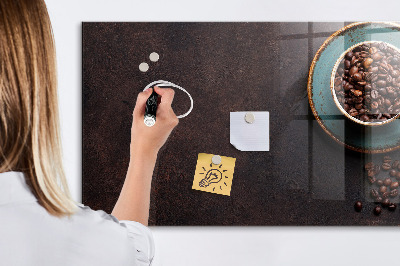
[{"x": 214, "y": 178}]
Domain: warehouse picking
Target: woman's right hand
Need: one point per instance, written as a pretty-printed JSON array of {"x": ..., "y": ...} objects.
[{"x": 149, "y": 140}]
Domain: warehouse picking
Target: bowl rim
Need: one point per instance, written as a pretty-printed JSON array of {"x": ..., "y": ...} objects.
[
  {"x": 333, "y": 91},
  {"x": 310, "y": 93}
]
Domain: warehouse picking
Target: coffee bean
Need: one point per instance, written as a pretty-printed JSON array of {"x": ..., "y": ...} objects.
[
  {"x": 368, "y": 62},
  {"x": 381, "y": 83},
  {"x": 357, "y": 93},
  {"x": 374, "y": 95},
  {"x": 377, "y": 169},
  {"x": 379, "y": 182},
  {"x": 364, "y": 118},
  {"x": 394, "y": 185},
  {"x": 358, "y": 206},
  {"x": 385, "y": 203},
  {"x": 392, "y": 172},
  {"x": 347, "y": 64},
  {"x": 395, "y": 163},
  {"x": 387, "y": 181},
  {"x": 387, "y": 159},
  {"x": 395, "y": 73},
  {"x": 374, "y": 193},
  {"x": 372, "y": 179},
  {"x": 382, "y": 189},
  {"x": 377, "y": 56},
  {"x": 353, "y": 70},
  {"x": 392, "y": 207},
  {"x": 358, "y": 99},
  {"x": 374, "y": 69},
  {"x": 386, "y": 195},
  {"x": 386, "y": 166},
  {"x": 373, "y": 50},
  {"x": 378, "y": 199},
  {"x": 393, "y": 193},
  {"x": 353, "y": 112},
  {"x": 354, "y": 60},
  {"x": 382, "y": 91},
  {"x": 349, "y": 55},
  {"x": 377, "y": 210},
  {"x": 359, "y": 106}
]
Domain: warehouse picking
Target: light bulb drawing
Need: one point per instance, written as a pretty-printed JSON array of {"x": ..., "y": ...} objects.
[{"x": 212, "y": 176}]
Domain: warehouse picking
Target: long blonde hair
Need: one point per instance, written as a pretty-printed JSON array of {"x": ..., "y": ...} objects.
[{"x": 29, "y": 122}]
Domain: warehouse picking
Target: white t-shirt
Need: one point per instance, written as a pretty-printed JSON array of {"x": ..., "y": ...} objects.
[{"x": 29, "y": 235}]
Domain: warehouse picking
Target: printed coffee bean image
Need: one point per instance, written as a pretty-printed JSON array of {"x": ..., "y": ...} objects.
[
  {"x": 377, "y": 210},
  {"x": 392, "y": 207},
  {"x": 385, "y": 203},
  {"x": 383, "y": 186},
  {"x": 358, "y": 206},
  {"x": 394, "y": 185},
  {"x": 387, "y": 182},
  {"x": 367, "y": 83}
]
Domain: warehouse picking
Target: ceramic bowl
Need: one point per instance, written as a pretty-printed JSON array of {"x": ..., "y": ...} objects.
[{"x": 332, "y": 85}]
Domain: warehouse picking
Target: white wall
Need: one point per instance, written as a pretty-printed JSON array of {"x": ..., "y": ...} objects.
[{"x": 195, "y": 246}]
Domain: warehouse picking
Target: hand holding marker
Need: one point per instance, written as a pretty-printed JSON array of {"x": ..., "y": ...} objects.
[{"x": 151, "y": 103}]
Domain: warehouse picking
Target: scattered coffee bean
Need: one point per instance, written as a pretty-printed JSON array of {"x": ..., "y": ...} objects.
[
  {"x": 385, "y": 203},
  {"x": 387, "y": 159},
  {"x": 371, "y": 173},
  {"x": 372, "y": 179},
  {"x": 392, "y": 207},
  {"x": 393, "y": 193},
  {"x": 358, "y": 206},
  {"x": 374, "y": 193},
  {"x": 383, "y": 190},
  {"x": 394, "y": 185},
  {"x": 369, "y": 166},
  {"x": 386, "y": 166},
  {"x": 387, "y": 181},
  {"x": 377, "y": 210}
]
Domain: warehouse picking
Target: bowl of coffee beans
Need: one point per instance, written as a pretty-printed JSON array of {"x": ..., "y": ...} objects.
[{"x": 365, "y": 83}]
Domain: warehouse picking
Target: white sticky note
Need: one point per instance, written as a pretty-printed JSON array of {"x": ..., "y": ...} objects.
[{"x": 246, "y": 136}]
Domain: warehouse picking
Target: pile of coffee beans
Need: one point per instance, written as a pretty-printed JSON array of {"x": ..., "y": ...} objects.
[
  {"x": 367, "y": 82},
  {"x": 386, "y": 189}
]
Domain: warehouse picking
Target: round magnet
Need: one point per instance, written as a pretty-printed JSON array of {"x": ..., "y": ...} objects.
[
  {"x": 144, "y": 67},
  {"x": 216, "y": 159},
  {"x": 154, "y": 57},
  {"x": 249, "y": 118}
]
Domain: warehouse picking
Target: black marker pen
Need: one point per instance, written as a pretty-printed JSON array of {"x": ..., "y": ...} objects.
[{"x": 151, "y": 109}]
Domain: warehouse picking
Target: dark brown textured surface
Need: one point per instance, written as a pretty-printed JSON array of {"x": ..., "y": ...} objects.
[{"x": 305, "y": 179}]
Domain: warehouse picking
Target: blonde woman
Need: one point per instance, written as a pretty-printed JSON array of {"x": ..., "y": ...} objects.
[{"x": 39, "y": 222}]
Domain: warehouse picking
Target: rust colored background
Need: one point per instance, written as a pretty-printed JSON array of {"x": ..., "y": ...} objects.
[{"x": 305, "y": 179}]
